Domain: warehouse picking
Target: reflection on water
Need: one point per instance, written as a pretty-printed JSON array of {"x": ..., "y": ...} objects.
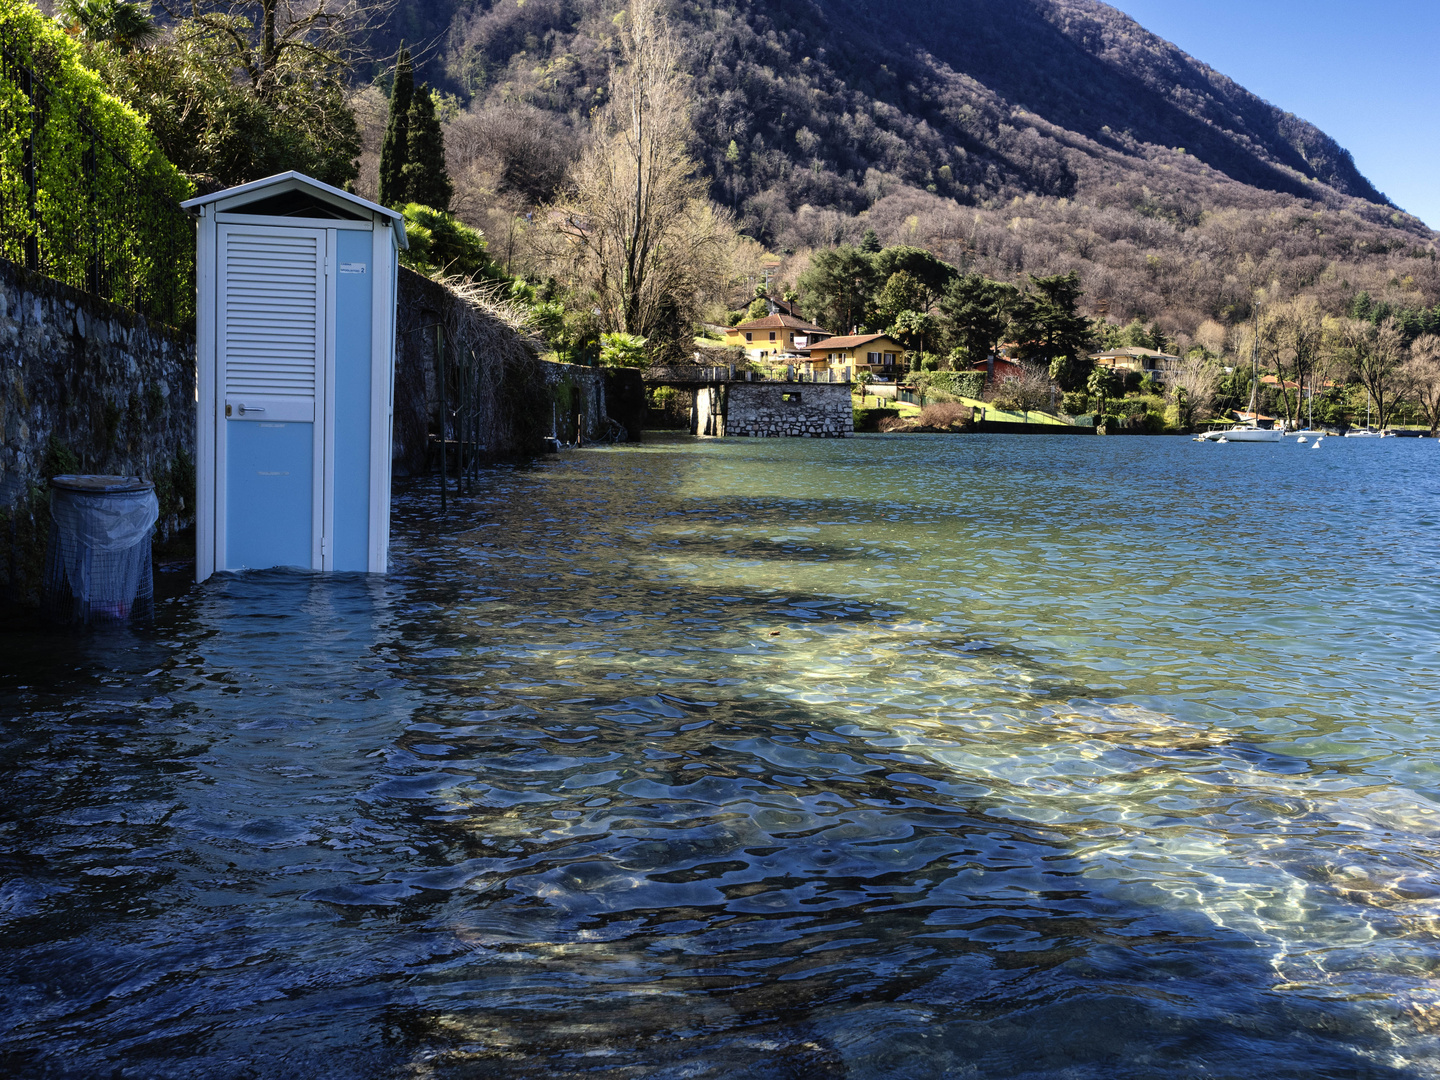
[{"x": 920, "y": 757}]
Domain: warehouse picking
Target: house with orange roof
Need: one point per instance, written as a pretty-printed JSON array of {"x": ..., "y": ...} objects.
[
  {"x": 1271, "y": 380},
  {"x": 774, "y": 336},
  {"x": 879, "y": 354}
]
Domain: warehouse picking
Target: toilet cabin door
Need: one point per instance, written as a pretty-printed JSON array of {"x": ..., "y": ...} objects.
[{"x": 271, "y": 354}]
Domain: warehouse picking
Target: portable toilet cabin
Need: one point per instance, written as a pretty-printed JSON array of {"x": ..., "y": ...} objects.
[{"x": 295, "y": 345}]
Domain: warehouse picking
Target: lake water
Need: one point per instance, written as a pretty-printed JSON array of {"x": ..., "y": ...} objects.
[{"x": 923, "y": 756}]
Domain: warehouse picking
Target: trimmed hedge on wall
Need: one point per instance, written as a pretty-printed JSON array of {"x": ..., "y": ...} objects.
[
  {"x": 103, "y": 215},
  {"x": 969, "y": 384}
]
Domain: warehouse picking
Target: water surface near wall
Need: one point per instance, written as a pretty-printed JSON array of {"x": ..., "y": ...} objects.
[{"x": 923, "y": 757}]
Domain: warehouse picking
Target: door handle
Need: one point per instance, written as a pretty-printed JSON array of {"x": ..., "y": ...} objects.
[{"x": 252, "y": 408}]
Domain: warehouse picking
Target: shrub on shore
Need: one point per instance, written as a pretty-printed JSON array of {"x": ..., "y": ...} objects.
[{"x": 945, "y": 415}]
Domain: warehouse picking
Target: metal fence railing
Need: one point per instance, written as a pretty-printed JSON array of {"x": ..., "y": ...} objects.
[
  {"x": 681, "y": 374},
  {"x": 82, "y": 210}
]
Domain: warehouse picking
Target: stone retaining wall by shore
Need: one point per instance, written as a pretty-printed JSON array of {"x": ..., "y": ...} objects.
[
  {"x": 804, "y": 410},
  {"x": 85, "y": 386},
  {"x": 552, "y": 399}
]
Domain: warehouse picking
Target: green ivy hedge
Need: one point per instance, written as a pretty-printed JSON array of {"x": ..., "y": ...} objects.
[
  {"x": 969, "y": 384},
  {"x": 110, "y": 223}
]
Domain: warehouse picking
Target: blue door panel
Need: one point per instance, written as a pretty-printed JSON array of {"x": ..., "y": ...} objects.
[
  {"x": 269, "y": 494},
  {"x": 353, "y": 300}
]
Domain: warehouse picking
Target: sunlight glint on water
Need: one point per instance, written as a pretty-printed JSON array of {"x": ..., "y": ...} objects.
[{"x": 980, "y": 756}]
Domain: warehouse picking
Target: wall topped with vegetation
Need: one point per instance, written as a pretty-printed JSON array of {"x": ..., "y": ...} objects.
[
  {"x": 86, "y": 196},
  {"x": 493, "y": 395}
]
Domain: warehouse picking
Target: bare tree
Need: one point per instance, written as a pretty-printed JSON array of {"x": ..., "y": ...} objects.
[
  {"x": 271, "y": 41},
  {"x": 1032, "y": 389},
  {"x": 1423, "y": 372},
  {"x": 521, "y": 152},
  {"x": 1211, "y": 337},
  {"x": 643, "y": 239},
  {"x": 506, "y": 161},
  {"x": 1297, "y": 330},
  {"x": 1376, "y": 356},
  {"x": 1191, "y": 388}
]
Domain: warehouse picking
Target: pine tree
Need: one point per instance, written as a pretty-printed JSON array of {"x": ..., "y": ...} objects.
[
  {"x": 977, "y": 311},
  {"x": 870, "y": 243},
  {"x": 393, "y": 150},
  {"x": 1047, "y": 325},
  {"x": 426, "y": 181}
]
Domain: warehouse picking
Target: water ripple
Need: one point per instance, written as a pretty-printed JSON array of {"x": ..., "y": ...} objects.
[{"x": 1005, "y": 758}]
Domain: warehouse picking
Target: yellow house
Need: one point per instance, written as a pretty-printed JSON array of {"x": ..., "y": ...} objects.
[
  {"x": 774, "y": 336},
  {"x": 1137, "y": 359},
  {"x": 878, "y": 354}
]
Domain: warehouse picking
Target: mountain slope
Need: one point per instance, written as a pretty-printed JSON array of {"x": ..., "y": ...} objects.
[
  {"x": 1011, "y": 136},
  {"x": 908, "y": 87},
  {"x": 1103, "y": 72}
]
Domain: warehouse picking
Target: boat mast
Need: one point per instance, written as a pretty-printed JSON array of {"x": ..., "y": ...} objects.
[{"x": 1255, "y": 369}]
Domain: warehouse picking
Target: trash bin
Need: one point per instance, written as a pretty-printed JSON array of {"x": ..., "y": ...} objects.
[{"x": 97, "y": 566}]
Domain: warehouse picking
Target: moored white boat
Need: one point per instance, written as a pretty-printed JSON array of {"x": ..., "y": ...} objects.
[
  {"x": 1247, "y": 433},
  {"x": 1249, "y": 429}
]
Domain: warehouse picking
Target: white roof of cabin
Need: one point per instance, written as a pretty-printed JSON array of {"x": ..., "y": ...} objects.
[{"x": 294, "y": 181}]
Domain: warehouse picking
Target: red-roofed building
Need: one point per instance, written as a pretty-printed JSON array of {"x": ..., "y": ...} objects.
[
  {"x": 997, "y": 369},
  {"x": 775, "y": 336},
  {"x": 1271, "y": 380},
  {"x": 878, "y": 354}
]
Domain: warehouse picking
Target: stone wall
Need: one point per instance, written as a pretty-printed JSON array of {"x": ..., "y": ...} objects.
[
  {"x": 810, "y": 410},
  {"x": 553, "y": 399},
  {"x": 420, "y": 305},
  {"x": 90, "y": 387},
  {"x": 577, "y": 401}
]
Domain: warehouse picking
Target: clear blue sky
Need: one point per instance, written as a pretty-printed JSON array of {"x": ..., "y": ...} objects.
[{"x": 1366, "y": 72}]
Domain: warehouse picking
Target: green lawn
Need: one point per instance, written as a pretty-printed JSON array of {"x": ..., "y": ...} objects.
[
  {"x": 908, "y": 411},
  {"x": 992, "y": 413},
  {"x": 870, "y": 401}
]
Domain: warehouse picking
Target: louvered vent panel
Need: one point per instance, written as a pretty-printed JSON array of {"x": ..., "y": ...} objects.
[{"x": 272, "y": 306}]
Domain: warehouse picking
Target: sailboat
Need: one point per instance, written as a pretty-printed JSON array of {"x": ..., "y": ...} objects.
[
  {"x": 1366, "y": 432},
  {"x": 1308, "y": 432},
  {"x": 1250, "y": 431}
]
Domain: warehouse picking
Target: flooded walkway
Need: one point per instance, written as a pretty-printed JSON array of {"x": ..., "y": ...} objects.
[{"x": 872, "y": 758}]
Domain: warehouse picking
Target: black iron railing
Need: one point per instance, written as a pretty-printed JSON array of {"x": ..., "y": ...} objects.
[{"x": 76, "y": 208}]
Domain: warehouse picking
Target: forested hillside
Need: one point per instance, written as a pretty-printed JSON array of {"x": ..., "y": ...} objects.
[
  {"x": 974, "y": 98},
  {"x": 1008, "y": 136}
]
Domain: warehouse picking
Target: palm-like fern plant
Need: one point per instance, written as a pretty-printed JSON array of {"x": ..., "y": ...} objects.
[{"x": 120, "y": 23}]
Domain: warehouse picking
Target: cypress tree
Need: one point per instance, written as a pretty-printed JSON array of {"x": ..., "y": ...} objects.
[
  {"x": 394, "y": 148},
  {"x": 425, "y": 177}
]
